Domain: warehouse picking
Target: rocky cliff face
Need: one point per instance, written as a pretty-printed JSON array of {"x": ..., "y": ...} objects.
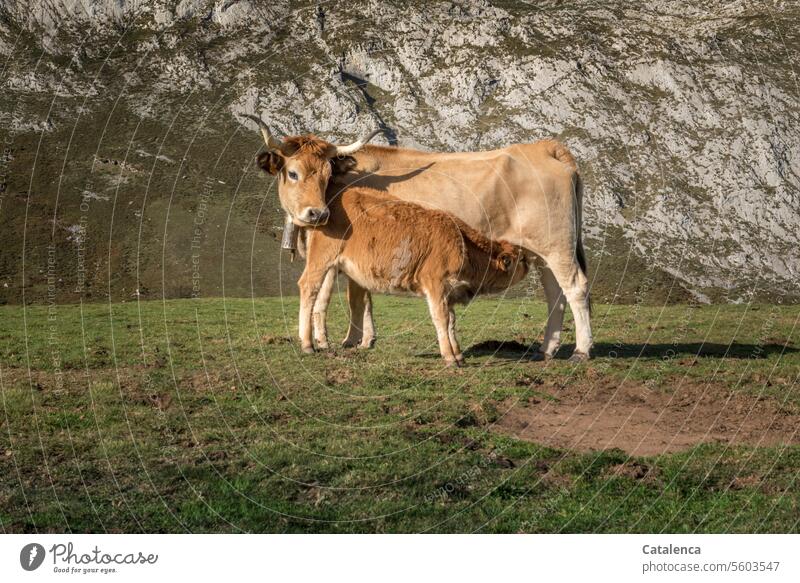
[{"x": 124, "y": 151}]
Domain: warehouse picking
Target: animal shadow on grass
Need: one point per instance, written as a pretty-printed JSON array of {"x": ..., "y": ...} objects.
[
  {"x": 704, "y": 349},
  {"x": 513, "y": 350},
  {"x": 507, "y": 349},
  {"x": 504, "y": 349}
]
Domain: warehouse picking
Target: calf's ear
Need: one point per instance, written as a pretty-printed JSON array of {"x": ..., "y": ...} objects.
[
  {"x": 270, "y": 162},
  {"x": 343, "y": 165}
]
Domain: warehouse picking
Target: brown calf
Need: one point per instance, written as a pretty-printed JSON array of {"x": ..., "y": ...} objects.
[{"x": 387, "y": 245}]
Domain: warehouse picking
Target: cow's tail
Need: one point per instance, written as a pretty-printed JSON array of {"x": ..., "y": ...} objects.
[
  {"x": 561, "y": 153},
  {"x": 580, "y": 253}
]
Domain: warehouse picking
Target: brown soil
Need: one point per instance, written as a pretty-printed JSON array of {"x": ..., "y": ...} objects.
[
  {"x": 643, "y": 421},
  {"x": 269, "y": 339},
  {"x": 339, "y": 376}
]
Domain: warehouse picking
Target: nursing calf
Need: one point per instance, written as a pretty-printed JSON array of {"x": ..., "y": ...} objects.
[{"x": 387, "y": 245}]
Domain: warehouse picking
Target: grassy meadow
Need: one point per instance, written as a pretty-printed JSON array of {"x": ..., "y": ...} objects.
[{"x": 203, "y": 416}]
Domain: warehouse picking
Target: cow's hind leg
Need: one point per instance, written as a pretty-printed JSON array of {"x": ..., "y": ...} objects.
[
  {"x": 451, "y": 331},
  {"x": 321, "y": 309},
  {"x": 361, "y": 331},
  {"x": 556, "y": 304},
  {"x": 440, "y": 314},
  {"x": 575, "y": 285}
]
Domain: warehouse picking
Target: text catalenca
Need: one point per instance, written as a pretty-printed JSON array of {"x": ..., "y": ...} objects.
[{"x": 669, "y": 550}]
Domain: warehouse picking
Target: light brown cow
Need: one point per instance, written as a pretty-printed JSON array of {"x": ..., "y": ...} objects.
[
  {"x": 527, "y": 194},
  {"x": 387, "y": 245}
]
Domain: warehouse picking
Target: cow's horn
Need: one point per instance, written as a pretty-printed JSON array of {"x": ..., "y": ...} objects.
[
  {"x": 357, "y": 145},
  {"x": 272, "y": 142}
]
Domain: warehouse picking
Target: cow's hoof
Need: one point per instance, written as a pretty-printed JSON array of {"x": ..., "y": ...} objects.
[
  {"x": 366, "y": 344},
  {"x": 323, "y": 345},
  {"x": 308, "y": 350},
  {"x": 579, "y": 357},
  {"x": 460, "y": 360},
  {"x": 350, "y": 342},
  {"x": 539, "y": 356},
  {"x": 453, "y": 363}
]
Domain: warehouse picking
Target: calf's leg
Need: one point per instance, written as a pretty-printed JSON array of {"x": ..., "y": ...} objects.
[
  {"x": 361, "y": 331},
  {"x": 440, "y": 314},
  {"x": 369, "y": 337},
  {"x": 451, "y": 332}
]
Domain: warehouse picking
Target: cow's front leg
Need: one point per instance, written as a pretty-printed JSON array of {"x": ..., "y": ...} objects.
[
  {"x": 309, "y": 284},
  {"x": 320, "y": 316}
]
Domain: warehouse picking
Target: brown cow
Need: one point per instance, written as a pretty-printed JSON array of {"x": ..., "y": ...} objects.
[
  {"x": 387, "y": 245},
  {"x": 528, "y": 194}
]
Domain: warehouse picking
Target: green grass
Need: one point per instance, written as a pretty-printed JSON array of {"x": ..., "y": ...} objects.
[{"x": 202, "y": 416}]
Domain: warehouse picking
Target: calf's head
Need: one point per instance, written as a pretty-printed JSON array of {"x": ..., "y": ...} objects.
[
  {"x": 303, "y": 165},
  {"x": 510, "y": 266}
]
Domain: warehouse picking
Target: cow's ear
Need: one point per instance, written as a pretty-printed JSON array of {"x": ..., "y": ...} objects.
[
  {"x": 343, "y": 164},
  {"x": 270, "y": 162}
]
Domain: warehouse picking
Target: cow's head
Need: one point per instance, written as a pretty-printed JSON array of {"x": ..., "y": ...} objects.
[{"x": 303, "y": 165}]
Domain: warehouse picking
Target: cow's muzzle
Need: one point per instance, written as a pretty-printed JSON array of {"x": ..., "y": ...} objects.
[{"x": 314, "y": 216}]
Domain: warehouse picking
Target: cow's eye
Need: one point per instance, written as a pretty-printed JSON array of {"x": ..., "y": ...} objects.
[{"x": 292, "y": 175}]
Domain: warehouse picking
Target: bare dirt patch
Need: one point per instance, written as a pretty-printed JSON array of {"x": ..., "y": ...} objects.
[
  {"x": 270, "y": 339},
  {"x": 643, "y": 421},
  {"x": 339, "y": 376}
]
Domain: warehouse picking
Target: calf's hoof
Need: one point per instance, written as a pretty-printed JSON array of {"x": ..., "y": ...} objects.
[
  {"x": 460, "y": 360},
  {"x": 350, "y": 342},
  {"x": 539, "y": 356},
  {"x": 367, "y": 343},
  {"x": 308, "y": 349},
  {"x": 579, "y": 357},
  {"x": 322, "y": 344}
]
